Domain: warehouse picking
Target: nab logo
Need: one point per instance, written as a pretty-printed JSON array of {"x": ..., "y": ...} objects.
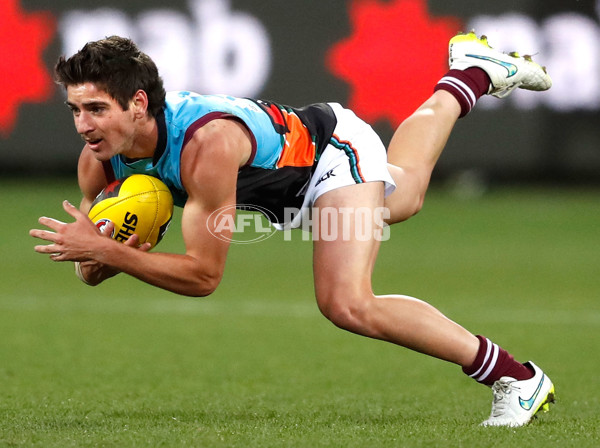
[{"x": 325, "y": 176}]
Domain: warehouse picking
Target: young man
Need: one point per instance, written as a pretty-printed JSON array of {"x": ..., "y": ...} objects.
[{"x": 216, "y": 152}]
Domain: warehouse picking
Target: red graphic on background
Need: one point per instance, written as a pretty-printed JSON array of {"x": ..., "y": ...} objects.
[
  {"x": 23, "y": 75},
  {"x": 396, "y": 54}
]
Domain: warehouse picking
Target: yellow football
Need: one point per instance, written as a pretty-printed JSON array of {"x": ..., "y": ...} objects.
[{"x": 138, "y": 204}]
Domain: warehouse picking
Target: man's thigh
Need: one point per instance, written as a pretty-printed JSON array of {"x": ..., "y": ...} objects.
[{"x": 347, "y": 230}]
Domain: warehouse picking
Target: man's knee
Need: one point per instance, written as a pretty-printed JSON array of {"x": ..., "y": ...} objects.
[
  {"x": 408, "y": 199},
  {"x": 346, "y": 308}
]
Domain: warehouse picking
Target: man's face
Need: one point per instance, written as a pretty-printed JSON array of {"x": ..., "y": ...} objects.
[{"x": 105, "y": 127}]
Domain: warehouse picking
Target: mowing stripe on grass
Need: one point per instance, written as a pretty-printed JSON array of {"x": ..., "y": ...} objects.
[{"x": 267, "y": 308}]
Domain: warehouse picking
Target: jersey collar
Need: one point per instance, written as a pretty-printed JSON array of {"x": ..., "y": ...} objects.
[{"x": 161, "y": 143}]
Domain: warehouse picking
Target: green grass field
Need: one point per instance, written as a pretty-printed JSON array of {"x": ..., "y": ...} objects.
[{"x": 256, "y": 365}]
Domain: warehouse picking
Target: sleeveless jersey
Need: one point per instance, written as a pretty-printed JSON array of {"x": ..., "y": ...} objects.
[{"x": 286, "y": 144}]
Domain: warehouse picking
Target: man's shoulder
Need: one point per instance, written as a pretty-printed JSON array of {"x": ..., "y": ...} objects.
[
  {"x": 177, "y": 99},
  {"x": 183, "y": 107}
]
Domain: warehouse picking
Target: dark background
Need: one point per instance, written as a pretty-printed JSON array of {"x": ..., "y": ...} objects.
[{"x": 505, "y": 143}]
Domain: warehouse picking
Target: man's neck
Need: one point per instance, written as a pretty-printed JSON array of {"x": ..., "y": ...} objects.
[{"x": 145, "y": 140}]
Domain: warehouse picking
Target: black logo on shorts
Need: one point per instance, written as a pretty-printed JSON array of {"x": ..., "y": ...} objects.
[{"x": 325, "y": 176}]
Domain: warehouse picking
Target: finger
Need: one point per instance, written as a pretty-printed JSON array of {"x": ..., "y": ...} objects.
[
  {"x": 72, "y": 210},
  {"x": 54, "y": 224},
  {"x": 43, "y": 234},
  {"x": 132, "y": 241},
  {"x": 47, "y": 249},
  {"x": 57, "y": 257},
  {"x": 108, "y": 229}
]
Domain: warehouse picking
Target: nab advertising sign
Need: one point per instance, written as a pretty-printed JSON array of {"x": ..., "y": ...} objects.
[{"x": 379, "y": 57}]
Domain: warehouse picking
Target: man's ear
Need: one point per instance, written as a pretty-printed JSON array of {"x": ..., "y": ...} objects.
[{"x": 139, "y": 104}]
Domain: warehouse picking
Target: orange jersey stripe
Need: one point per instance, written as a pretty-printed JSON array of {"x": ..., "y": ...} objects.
[{"x": 299, "y": 148}]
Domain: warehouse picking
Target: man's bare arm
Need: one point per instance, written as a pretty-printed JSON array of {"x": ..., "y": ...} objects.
[{"x": 210, "y": 163}]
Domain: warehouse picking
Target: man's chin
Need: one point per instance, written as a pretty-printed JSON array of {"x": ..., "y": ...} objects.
[{"x": 99, "y": 154}]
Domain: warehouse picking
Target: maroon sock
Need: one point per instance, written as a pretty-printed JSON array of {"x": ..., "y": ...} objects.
[
  {"x": 493, "y": 362},
  {"x": 467, "y": 86}
]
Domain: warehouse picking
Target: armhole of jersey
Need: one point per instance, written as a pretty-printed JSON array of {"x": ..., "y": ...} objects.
[
  {"x": 108, "y": 172},
  {"x": 192, "y": 128}
]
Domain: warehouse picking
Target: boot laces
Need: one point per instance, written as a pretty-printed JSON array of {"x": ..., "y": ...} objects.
[{"x": 502, "y": 390}]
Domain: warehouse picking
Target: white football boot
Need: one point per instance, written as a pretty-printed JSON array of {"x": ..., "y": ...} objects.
[
  {"x": 506, "y": 71},
  {"x": 516, "y": 402}
]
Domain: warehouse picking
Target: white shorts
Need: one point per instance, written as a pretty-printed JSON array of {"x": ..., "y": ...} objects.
[{"x": 354, "y": 155}]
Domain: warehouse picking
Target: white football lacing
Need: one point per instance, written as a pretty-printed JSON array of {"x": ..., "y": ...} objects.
[{"x": 502, "y": 390}]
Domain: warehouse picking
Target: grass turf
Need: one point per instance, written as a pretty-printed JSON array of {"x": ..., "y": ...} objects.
[{"x": 125, "y": 364}]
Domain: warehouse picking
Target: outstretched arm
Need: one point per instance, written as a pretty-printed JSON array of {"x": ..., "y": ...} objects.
[
  {"x": 196, "y": 273},
  {"x": 210, "y": 162}
]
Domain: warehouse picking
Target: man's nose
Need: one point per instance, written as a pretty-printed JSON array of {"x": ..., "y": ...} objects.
[{"x": 84, "y": 123}]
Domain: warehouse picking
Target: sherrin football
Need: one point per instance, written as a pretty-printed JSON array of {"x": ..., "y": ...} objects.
[{"x": 138, "y": 204}]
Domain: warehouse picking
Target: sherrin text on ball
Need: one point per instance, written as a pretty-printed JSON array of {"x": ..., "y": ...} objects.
[{"x": 138, "y": 204}]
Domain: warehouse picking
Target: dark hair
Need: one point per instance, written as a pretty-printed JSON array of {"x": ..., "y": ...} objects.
[{"x": 116, "y": 65}]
